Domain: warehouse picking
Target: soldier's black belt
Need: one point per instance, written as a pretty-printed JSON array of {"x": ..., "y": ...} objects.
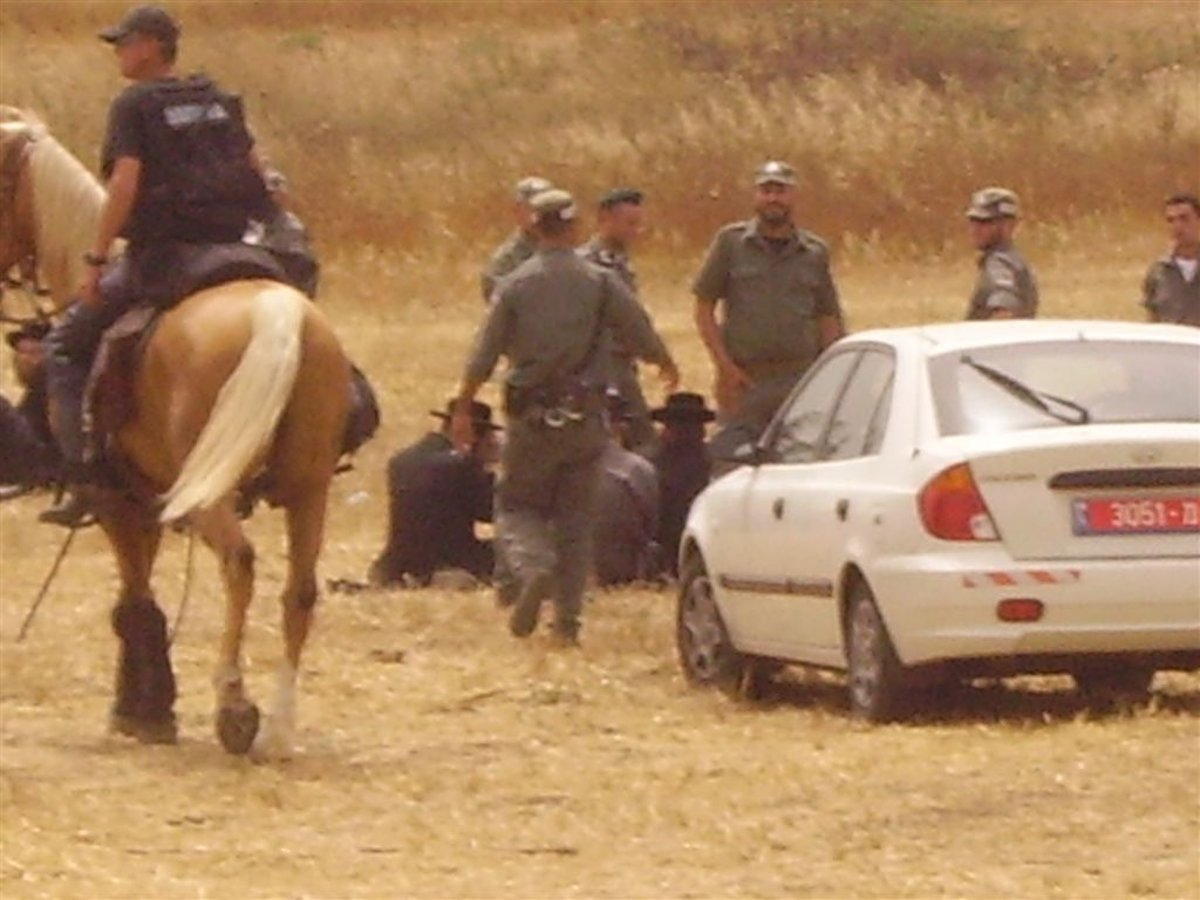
[{"x": 554, "y": 409}]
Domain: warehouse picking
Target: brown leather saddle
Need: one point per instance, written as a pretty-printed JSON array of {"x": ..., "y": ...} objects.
[{"x": 109, "y": 395}]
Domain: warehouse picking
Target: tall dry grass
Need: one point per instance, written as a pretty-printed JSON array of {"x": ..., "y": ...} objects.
[{"x": 403, "y": 124}]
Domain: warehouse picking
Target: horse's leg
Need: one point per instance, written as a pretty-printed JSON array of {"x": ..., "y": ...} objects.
[
  {"x": 237, "y": 717},
  {"x": 145, "y": 689},
  {"x": 305, "y": 525}
]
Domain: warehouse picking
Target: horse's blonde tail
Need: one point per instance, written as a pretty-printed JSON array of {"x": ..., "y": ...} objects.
[{"x": 243, "y": 419}]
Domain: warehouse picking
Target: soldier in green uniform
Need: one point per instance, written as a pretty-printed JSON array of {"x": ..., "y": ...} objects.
[
  {"x": 620, "y": 219},
  {"x": 780, "y": 304},
  {"x": 519, "y": 245},
  {"x": 1006, "y": 287},
  {"x": 553, "y": 318},
  {"x": 1171, "y": 290}
]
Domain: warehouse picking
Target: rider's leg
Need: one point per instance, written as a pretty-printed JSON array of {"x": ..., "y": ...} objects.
[{"x": 71, "y": 347}]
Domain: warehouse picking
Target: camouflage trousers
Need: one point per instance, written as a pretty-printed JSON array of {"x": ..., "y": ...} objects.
[{"x": 545, "y": 504}]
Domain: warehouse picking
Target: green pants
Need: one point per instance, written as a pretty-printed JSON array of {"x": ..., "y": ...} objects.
[{"x": 545, "y": 508}]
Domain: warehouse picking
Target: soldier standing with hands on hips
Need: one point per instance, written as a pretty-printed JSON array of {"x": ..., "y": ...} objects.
[
  {"x": 553, "y": 318},
  {"x": 780, "y": 305}
]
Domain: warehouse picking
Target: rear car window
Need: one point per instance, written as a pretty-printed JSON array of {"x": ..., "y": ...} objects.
[{"x": 1056, "y": 383}]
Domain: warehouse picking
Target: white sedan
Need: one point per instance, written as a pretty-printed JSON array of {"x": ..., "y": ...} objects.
[{"x": 956, "y": 501}]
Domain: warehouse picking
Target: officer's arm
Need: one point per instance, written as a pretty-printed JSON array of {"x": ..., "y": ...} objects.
[
  {"x": 122, "y": 190},
  {"x": 1149, "y": 287},
  {"x": 1002, "y": 301},
  {"x": 831, "y": 325},
  {"x": 710, "y": 334},
  {"x": 490, "y": 343},
  {"x": 633, "y": 328}
]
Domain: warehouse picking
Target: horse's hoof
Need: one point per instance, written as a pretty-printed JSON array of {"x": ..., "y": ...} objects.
[
  {"x": 147, "y": 731},
  {"x": 273, "y": 745},
  {"x": 237, "y": 726}
]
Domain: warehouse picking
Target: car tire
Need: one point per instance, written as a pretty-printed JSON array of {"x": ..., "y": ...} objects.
[
  {"x": 706, "y": 653},
  {"x": 876, "y": 679},
  {"x": 1108, "y": 685}
]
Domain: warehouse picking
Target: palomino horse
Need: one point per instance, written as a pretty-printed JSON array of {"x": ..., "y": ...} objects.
[{"x": 239, "y": 379}]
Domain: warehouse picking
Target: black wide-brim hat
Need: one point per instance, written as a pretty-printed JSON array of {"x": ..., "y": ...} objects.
[
  {"x": 481, "y": 415},
  {"x": 683, "y": 407}
]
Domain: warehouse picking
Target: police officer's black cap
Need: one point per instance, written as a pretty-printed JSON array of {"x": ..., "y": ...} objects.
[
  {"x": 152, "y": 21},
  {"x": 30, "y": 331},
  {"x": 481, "y": 414},
  {"x": 617, "y": 196}
]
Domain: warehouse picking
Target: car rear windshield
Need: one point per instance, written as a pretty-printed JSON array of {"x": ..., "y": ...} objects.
[{"x": 1057, "y": 383}]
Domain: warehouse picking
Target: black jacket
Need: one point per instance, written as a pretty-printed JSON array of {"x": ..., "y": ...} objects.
[
  {"x": 683, "y": 472},
  {"x": 435, "y": 498}
]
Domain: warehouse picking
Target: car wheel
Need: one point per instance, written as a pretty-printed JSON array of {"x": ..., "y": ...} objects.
[
  {"x": 876, "y": 679},
  {"x": 1105, "y": 685},
  {"x": 706, "y": 654}
]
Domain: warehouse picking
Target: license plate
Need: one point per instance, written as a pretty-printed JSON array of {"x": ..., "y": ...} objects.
[{"x": 1135, "y": 515}]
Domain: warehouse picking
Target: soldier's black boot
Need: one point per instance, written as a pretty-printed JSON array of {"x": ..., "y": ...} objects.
[{"x": 66, "y": 379}]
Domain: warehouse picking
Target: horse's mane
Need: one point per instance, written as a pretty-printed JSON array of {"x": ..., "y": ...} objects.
[{"x": 67, "y": 200}]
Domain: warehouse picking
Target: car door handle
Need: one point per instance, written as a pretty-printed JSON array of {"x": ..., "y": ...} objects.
[
  {"x": 777, "y": 508},
  {"x": 842, "y": 508}
]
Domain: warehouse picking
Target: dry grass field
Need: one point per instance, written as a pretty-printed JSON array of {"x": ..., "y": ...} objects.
[{"x": 440, "y": 758}]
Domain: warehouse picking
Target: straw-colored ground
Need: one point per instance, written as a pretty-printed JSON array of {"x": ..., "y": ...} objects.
[{"x": 440, "y": 758}]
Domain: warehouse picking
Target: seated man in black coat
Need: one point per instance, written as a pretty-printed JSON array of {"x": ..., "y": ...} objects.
[
  {"x": 436, "y": 496},
  {"x": 29, "y": 364},
  {"x": 683, "y": 466}
]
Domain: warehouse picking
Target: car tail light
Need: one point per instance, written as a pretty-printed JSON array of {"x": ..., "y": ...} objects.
[{"x": 953, "y": 509}]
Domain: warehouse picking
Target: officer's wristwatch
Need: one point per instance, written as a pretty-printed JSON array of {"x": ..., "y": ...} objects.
[{"x": 93, "y": 260}]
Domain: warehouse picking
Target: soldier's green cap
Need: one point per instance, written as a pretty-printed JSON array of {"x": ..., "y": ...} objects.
[
  {"x": 993, "y": 203},
  {"x": 554, "y": 203},
  {"x": 775, "y": 172},
  {"x": 528, "y": 188}
]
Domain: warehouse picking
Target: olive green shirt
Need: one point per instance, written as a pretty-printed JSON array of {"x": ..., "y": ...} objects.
[
  {"x": 773, "y": 294},
  {"x": 1005, "y": 282},
  {"x": 554, "y": 318},
  {"x": 618, "y": 262},
  {"x": 1169, "y": 295},
  {"x": 517, "y": 248}
]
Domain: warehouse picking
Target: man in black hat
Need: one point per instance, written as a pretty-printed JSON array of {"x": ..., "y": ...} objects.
[
  {"x": 29, "y": 365},
  {"x": 161, "y": 197},
  {"x": 436, "y": 496},
  {"x": 683, "y": 466},
  {"x": 625, "y": 530}
]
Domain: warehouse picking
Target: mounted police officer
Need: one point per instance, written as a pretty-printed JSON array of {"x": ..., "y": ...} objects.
[
  {"x": 1171, "y": 290},
  {"x": 521, "y": 243},
  {"x": 780, "y": 305},
  {"x": 163, "y": 198},
  {"x": 1006, "y": 287},
  {"x": 620, "y": 220},
  {"x": 553, "y": 318}
]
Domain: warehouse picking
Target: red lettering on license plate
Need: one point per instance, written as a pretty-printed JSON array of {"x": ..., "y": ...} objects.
[{"x": 1136, "y": 515}]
